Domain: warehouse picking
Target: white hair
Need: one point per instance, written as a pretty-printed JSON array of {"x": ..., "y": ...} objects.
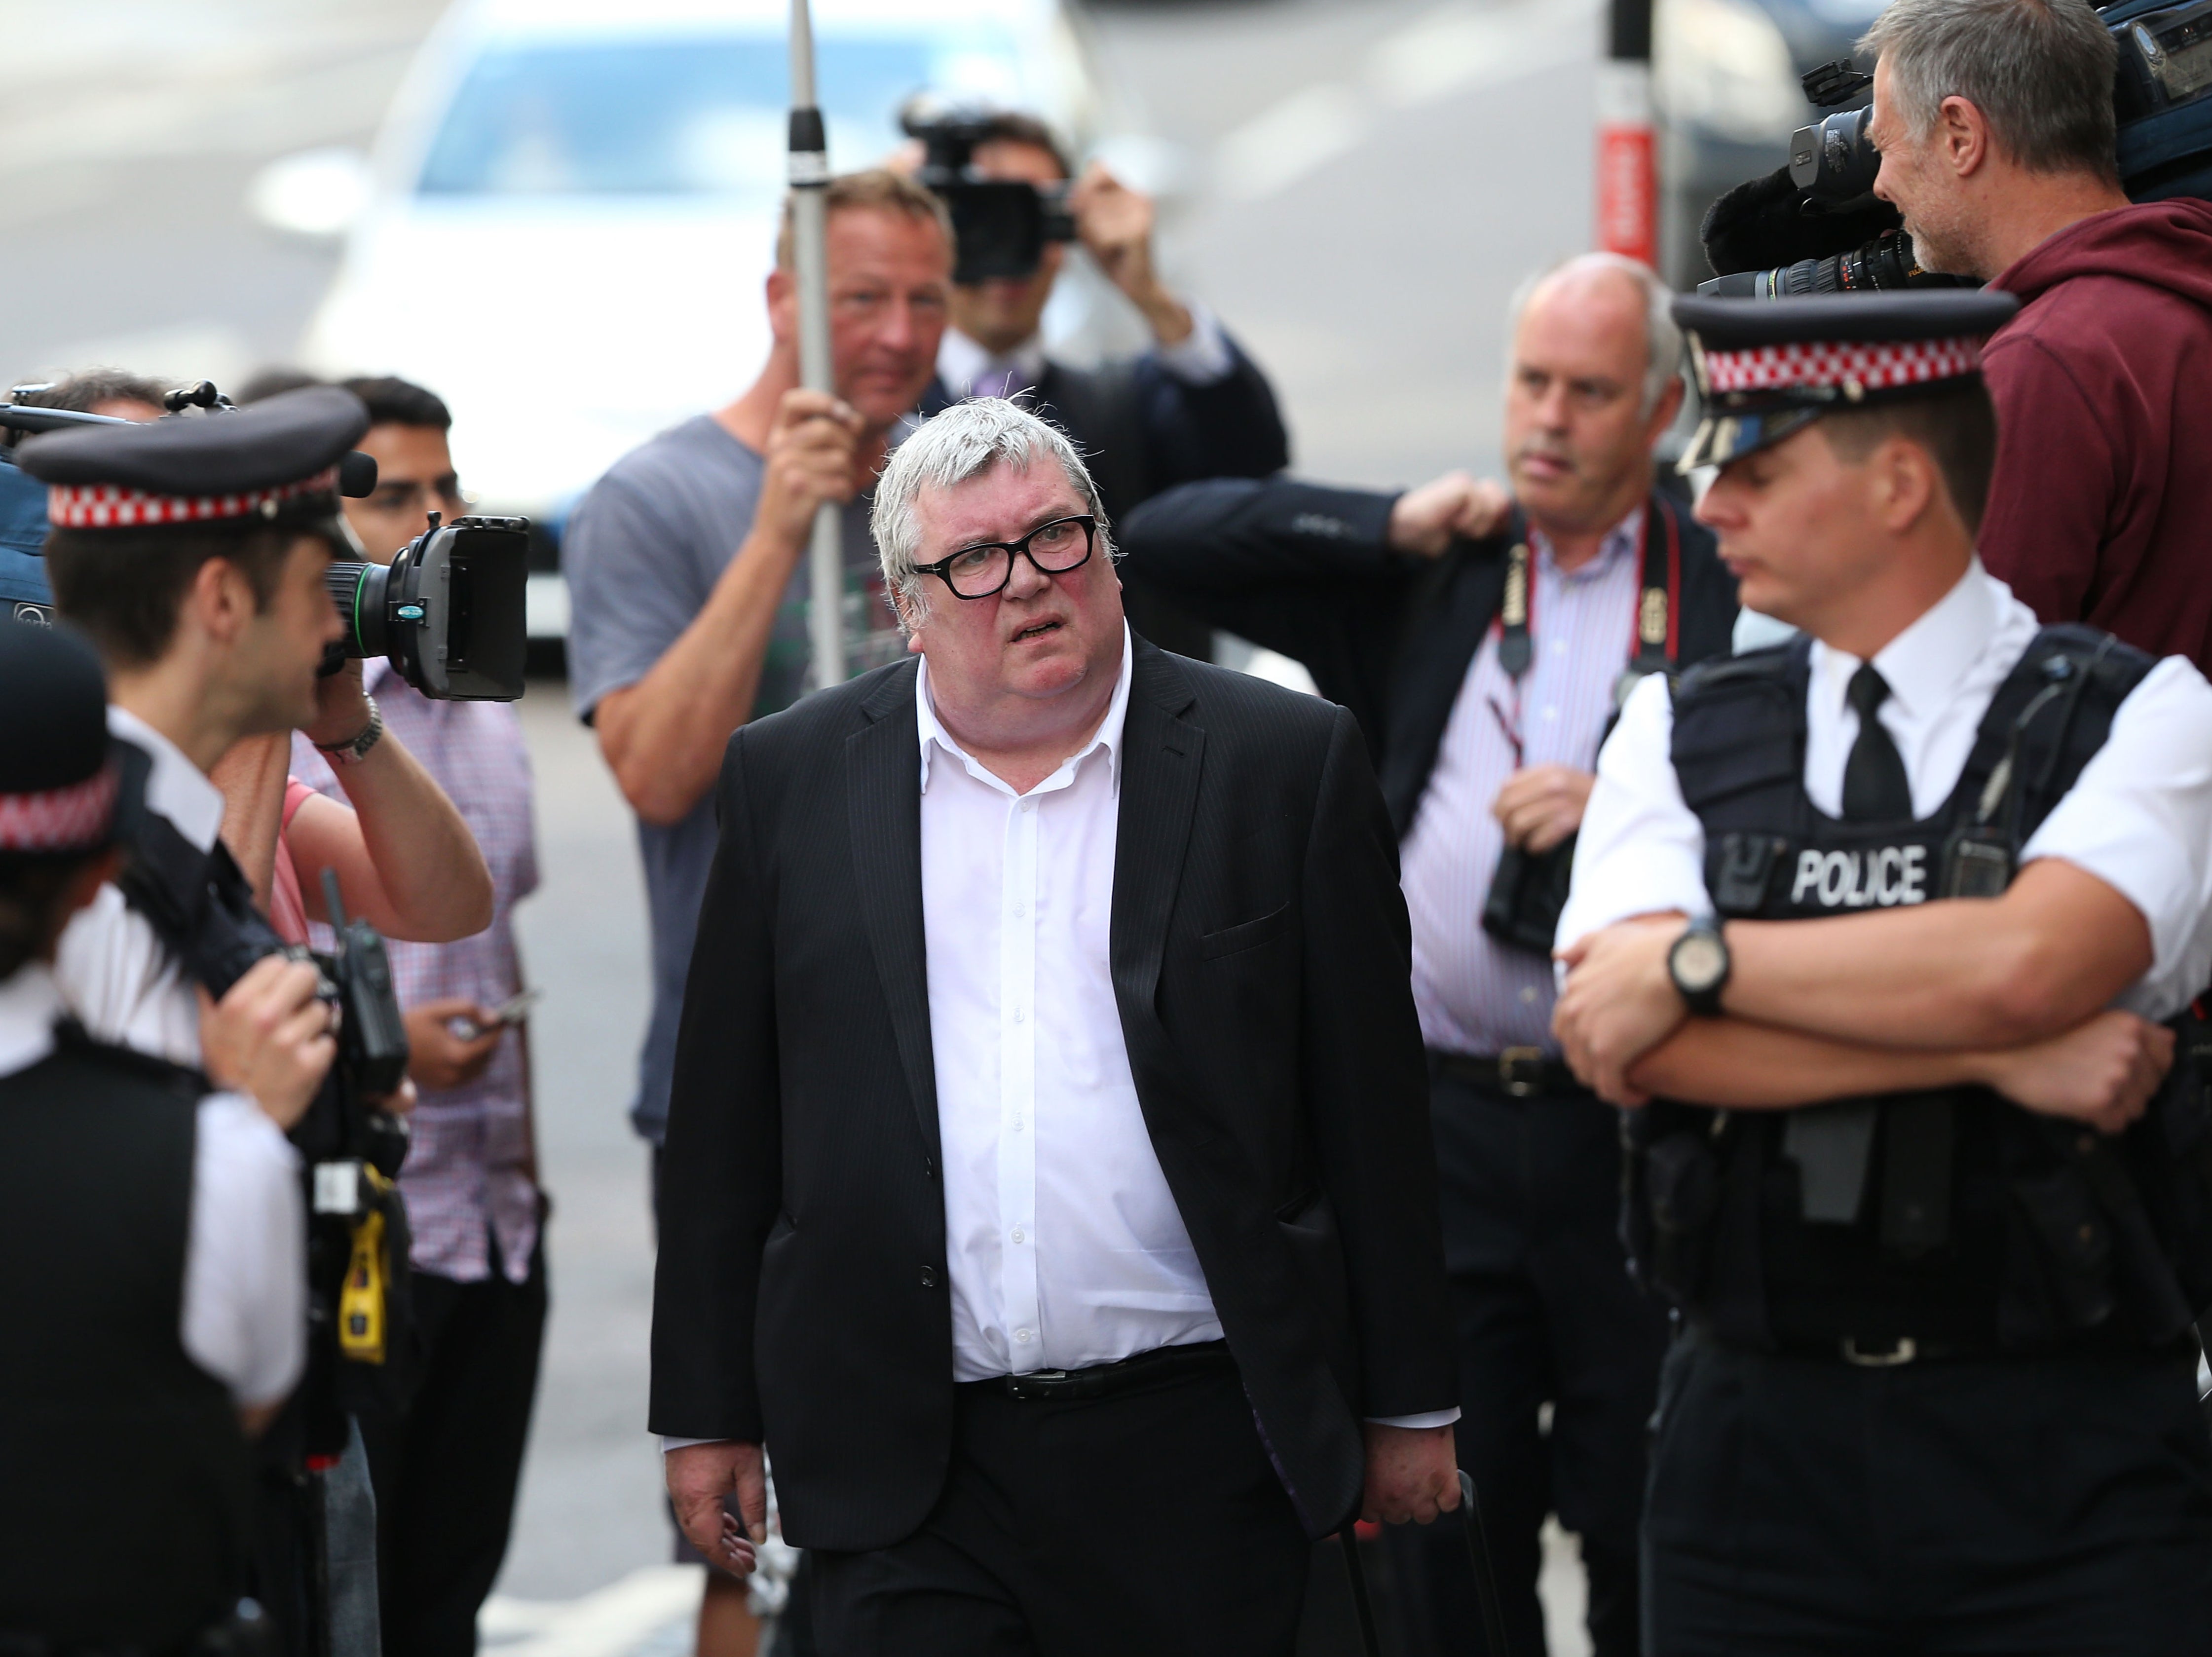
[
  {"x": 1662, "y": 340},
  {"x": 963, "y": 442}
]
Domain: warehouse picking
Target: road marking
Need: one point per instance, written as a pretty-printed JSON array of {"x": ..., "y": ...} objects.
[
  {"x": 612, "y": 1621},
  {"x": 1456, "y": 47}
]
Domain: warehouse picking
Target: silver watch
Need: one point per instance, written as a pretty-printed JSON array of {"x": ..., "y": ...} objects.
[{"x": 354, "y": 752}]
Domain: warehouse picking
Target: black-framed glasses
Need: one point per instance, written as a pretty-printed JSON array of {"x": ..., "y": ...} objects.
[{"x": 1055, "y": 548}]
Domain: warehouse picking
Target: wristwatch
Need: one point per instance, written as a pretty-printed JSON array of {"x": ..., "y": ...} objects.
[
  {"x": 1698, "y": 963},
  {"x": 356, "y": 751}
]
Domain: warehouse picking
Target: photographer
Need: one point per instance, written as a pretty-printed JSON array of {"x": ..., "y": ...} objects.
[
  {"x": 1193, "y": 406},
  {"x": 24, "y": 593},
  {"x": 445, "y": 1455},
  {"x": 1995, "y": 121},
  {"x": 150, "y": 1233},
  {"x": 1484, "y": 673}
]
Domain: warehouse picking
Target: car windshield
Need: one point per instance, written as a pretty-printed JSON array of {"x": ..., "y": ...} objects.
[{"x": 688, "y": 117}]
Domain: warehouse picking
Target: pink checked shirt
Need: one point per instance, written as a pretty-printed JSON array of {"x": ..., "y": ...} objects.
[{"x": 468, "y": 1194}]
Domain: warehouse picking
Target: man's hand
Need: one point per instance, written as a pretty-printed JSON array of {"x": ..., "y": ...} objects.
[
  {"x": 699, "y": 1476},
  {"x": 1412, "y": 1473},
  {"x": 341, "y": 707},
  {"x": 813, "y": 446},
  {"x": 1620, "y": 1002},
  {"x": 2103, "y": 1072},
  {"x": 270, "y": 1038},
  {"x": 1425, "y": 520},
  {"x": 1542, "y": 806},
  {"x": 436, "y": 1057},
  {"x": 1115, "y": 225}
]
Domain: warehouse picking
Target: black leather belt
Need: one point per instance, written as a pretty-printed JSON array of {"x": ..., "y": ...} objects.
[
  {"x": 1888, "y": 1353},
  {"x": 1103, "y": 1380},
  {"x": 1517, "y": 1072}
]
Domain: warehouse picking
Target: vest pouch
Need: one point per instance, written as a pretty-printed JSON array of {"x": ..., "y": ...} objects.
[
  {"x": 1742, "y": 869},
  {"x": 1527, "y": 892},
  {"x": 1977, "y": 862},
  {"x": 2074, "y": 1243},
  {"x": 2181, "y": 1115},
  {"x": 1682, "y": 1193}
]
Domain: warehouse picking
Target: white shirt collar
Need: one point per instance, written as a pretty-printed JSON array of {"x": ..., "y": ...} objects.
[
  {"x": 29, "y": 1003},
  {"x": 1924, "y": 664},
  {"x": 1619, "y": 541},
  {"x": 961, "y": 362},
  {"x": 1109, "y": 734},
  {"x": 176, "y": 789}
]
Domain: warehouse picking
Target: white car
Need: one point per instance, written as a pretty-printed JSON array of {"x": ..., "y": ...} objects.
[{"x": 571, "y": 207}]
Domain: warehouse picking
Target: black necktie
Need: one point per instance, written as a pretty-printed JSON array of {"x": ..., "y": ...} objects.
[{"x": 1874, "y": 786}]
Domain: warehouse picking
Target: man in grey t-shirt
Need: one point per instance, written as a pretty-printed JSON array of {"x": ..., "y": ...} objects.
[{"x": 687, "y": 561}]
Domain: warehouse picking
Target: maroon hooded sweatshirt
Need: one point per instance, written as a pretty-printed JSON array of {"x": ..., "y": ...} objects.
[{"x": 2100, "y": 510}]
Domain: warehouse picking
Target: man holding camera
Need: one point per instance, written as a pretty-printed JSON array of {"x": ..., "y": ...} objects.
[
  {"x": 445, "y": 1438},
  {"x": 1484, "y": 672},
  {"x": 1995, "y": 121},
  {"x": 1869, "y": 930},
  {"x": 150, "y": 1232},
  {"x": 1193, "y": 406}
]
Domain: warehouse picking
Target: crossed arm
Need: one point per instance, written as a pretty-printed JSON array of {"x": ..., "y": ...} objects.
[{"x": 2010, "y": 993}]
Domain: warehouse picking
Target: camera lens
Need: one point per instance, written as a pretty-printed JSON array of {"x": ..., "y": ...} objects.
[{"x": 357, "y": 590}]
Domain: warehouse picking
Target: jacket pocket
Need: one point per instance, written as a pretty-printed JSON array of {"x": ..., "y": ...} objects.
[{"x": 1245, "y": 935}]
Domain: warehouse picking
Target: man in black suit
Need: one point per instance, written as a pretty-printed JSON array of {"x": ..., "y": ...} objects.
[
  {"x": 1048, "y": 1185},
  {"x": 1483, "y": 665},
  {"x": 1193, "y": 406}
]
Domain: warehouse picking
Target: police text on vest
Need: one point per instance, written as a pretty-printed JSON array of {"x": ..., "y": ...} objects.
[{"x": 1882, "y": 875}]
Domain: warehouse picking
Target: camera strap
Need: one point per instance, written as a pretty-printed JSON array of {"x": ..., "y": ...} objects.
[{"x": 1656, "y": 636}]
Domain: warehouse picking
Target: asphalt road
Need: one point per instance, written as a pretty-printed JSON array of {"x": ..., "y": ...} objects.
[{"x": 1369, "y": 181}]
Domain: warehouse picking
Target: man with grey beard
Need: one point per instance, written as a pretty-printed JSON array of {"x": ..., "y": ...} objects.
[{"x": 1483, "y": 645}]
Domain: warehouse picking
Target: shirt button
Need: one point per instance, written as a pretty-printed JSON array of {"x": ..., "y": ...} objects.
[
  {"x": 1529, "y": 995},
  {"x": 1021, "y": 1016},
  {"x": 929, "y": 1276},
  {"x": 1029, "y": 805},
  {"x": 1020, "y": 1236},
  {"x": 1021, "y": 909},
  {"x": 1017, "y": 1125},
  {"x": 1021, "y": 1337}
]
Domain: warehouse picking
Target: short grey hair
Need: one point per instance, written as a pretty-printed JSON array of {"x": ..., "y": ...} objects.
[
  {"x": 2040, "y": 71},
  {"x": 948, "y": 449},
  {"x": 1662, "y": 339}
]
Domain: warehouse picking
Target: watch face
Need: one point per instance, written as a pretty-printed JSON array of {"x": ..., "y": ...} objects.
[{"x": 1698, "y": 961}]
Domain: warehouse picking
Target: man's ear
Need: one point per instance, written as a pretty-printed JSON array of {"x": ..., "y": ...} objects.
[
  {"x": 1906, "y": 483},
  {"x": 782, "y": 305},
  {"x": 1664, "y": 412},
  {"x": 1962, "y": 135},
  {"x": 220, "y": 600}
]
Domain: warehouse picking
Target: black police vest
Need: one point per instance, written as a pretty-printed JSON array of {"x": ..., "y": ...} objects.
[
  {"x": 107, "y": 1428},
  {"x": 1954, "y": 1219}
]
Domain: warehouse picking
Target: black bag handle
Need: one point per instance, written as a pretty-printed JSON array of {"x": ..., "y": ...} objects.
[{"x": 1477, "y": 1554}]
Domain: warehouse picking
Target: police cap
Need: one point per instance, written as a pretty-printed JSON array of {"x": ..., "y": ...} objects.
[
  {"x": 59, "y": 778},
  {"x": 284, "y": 454},
  {"x": 1764, "y": 368}
]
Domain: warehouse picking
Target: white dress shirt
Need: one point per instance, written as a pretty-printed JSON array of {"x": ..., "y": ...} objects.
[
  {"x": 2139, "y": 818},
  {"x": 1473, "y": 994},
  {"x": 245, "y": 1315},
  {"x": 968, "y": 369},
  {"x": 118, "y": 978}
]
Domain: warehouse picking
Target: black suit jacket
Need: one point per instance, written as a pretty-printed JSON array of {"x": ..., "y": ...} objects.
[
  {"x": 1142, "y": 430},
  {"x": 1306, "y": 569},
  {"x": 1260, "y": 957}
]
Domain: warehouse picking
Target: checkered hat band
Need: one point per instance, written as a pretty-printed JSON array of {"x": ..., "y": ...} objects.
[
  {"x": 105, "y": 507},
  {"x": 60, "y": 819},
  {"x": 1877, "y": 367}
]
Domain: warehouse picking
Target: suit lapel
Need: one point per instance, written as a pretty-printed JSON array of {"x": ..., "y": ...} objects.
[
  {"x": 1160, "y": 765},
  {"x": 1432, "y": 666},
  {"x": 883, "y": 795}
]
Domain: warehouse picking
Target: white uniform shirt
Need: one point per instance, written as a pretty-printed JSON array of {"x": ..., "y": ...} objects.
[
  {"x": 2139, "y": 817},
  {"x": 245, "y": 1314},
  {"x": 117, "y": 977}
]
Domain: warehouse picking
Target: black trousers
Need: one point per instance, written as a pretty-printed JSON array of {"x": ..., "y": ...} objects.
[
  {"x": 1545, "y": 1313},
  {"x": 445, "y": 1459},
  {"x": 2059, "y": 1505},
  {"x": 1147, "y": 1524}
]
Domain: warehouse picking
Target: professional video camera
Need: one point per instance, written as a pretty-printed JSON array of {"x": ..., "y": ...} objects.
[
  {"x": 449, "y": 612},
  {"x": 1815, "y": 226},
  {"x": 1001, "y": 227}
]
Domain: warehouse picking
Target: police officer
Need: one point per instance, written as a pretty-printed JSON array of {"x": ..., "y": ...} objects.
[
  {"x": 1878, "y": 929},
  {"x": 150, "y": 1232}
]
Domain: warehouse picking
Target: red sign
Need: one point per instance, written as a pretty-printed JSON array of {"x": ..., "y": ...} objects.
[{"x": 1628, "y": 191}]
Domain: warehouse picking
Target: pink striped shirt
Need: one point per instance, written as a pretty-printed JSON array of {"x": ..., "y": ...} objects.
[{"x": 1474, "y": 995}]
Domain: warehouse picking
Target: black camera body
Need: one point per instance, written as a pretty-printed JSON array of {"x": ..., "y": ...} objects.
[
  {"x": 448, "y": 612},
  {"x": 1001, "y": 227}
]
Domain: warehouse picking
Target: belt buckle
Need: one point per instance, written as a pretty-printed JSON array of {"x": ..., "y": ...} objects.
[
  {"x": 1510, "y": 1063},
  {"x": 1904, "y": 1351},
  {"x": 1033, "y": 1385}
]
